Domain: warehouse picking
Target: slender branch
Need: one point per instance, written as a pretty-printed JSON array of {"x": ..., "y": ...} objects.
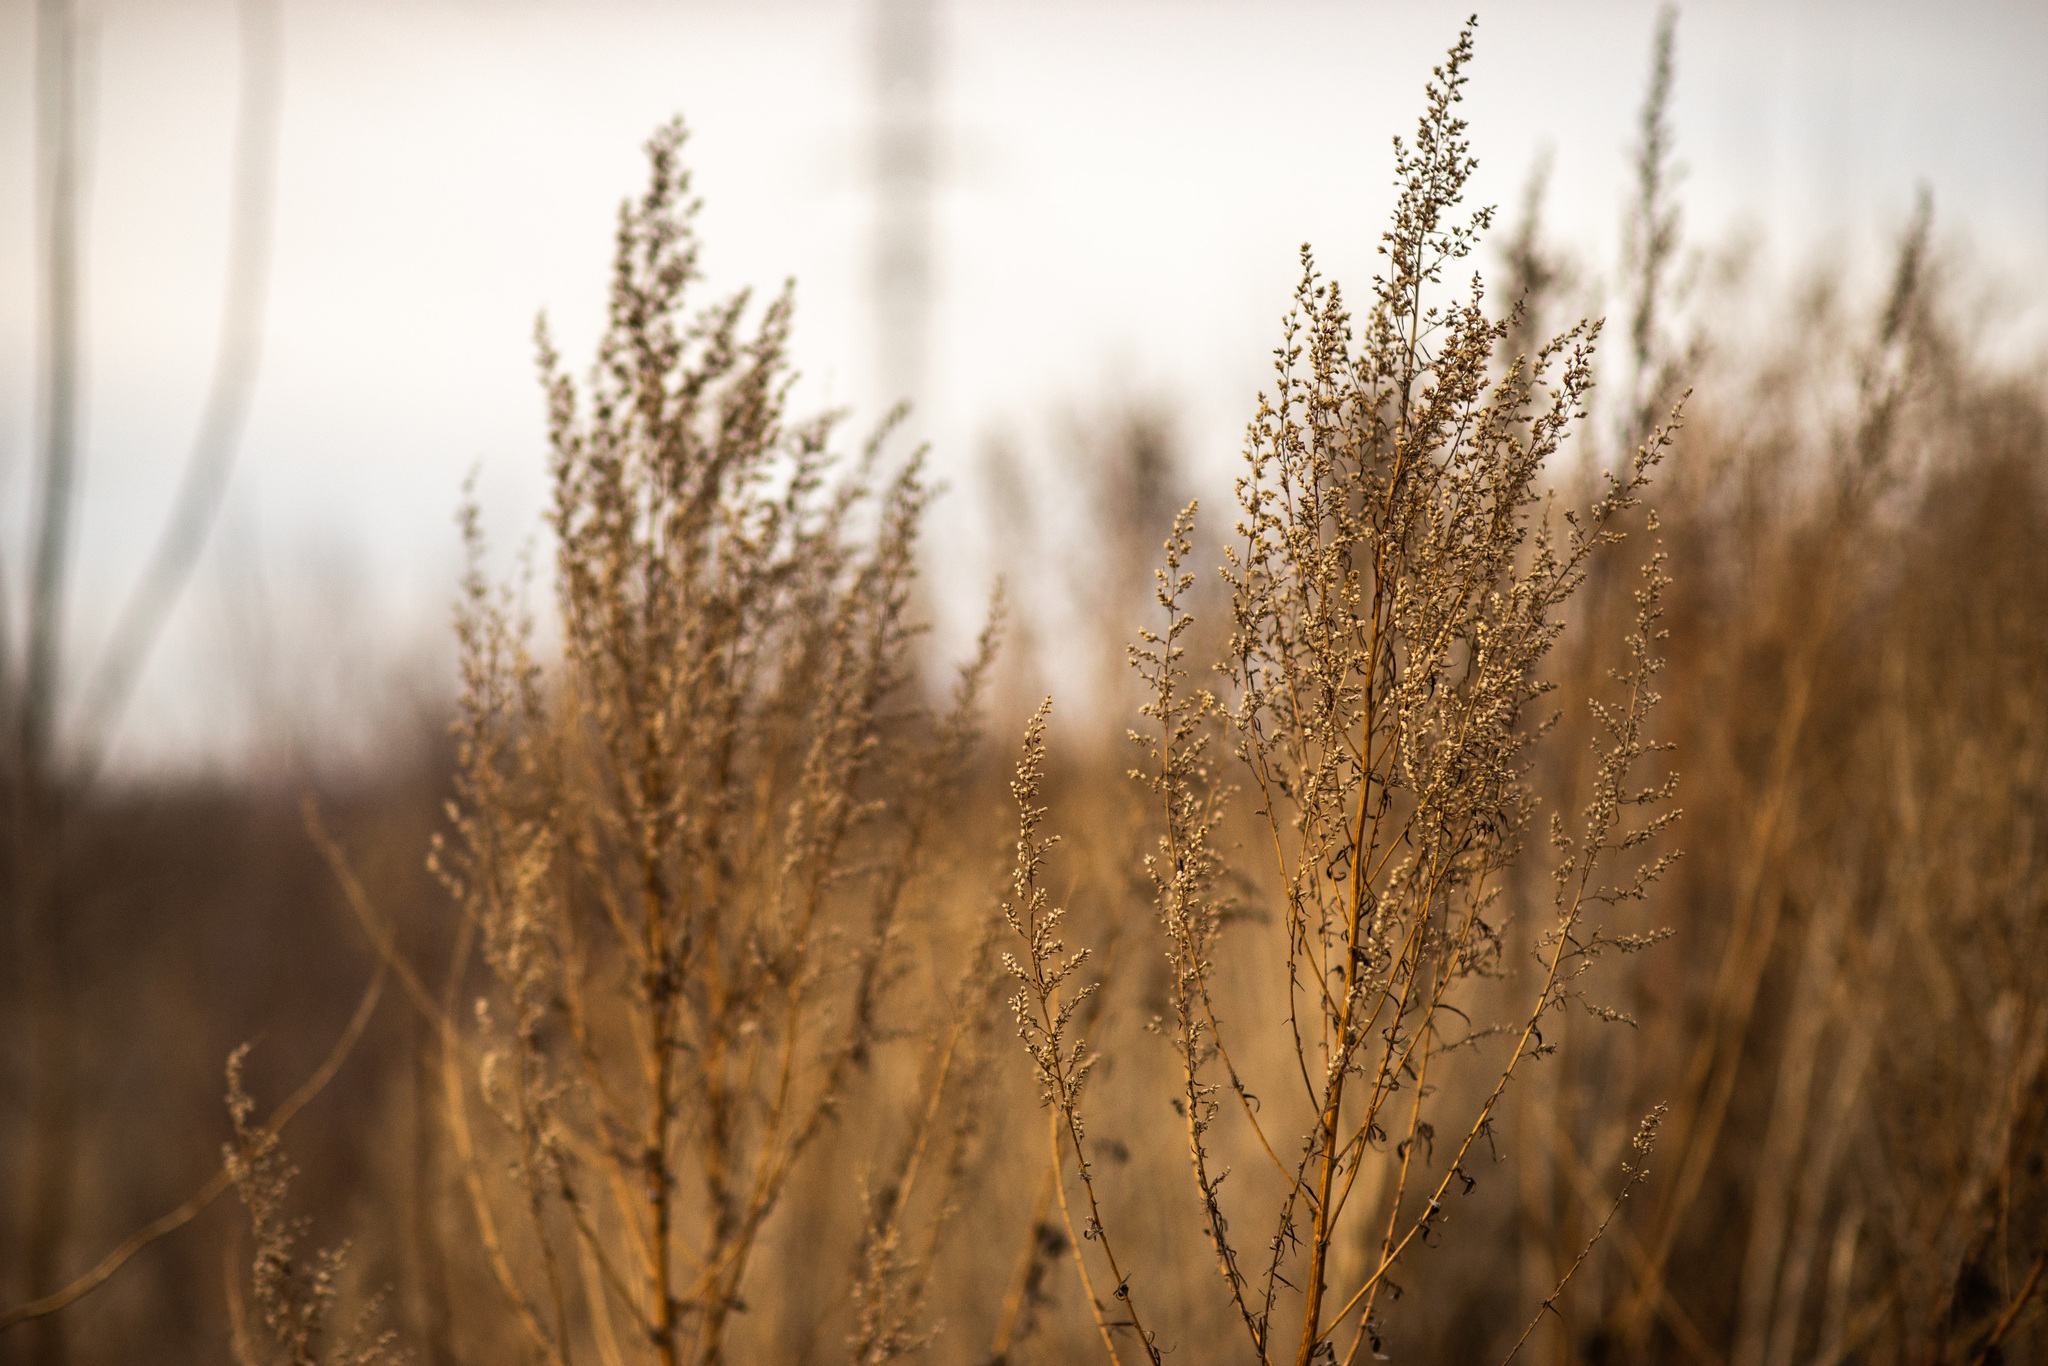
[
  {"x": 2011, "y": 1314},
  {"x": 228, "y": 398},
  {"x": 1646, "y": 1135},
  {"x": 206, "y": 1194}
]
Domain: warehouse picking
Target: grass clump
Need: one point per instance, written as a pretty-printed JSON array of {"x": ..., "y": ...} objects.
[
  {"x": 1315, "y": 1065},
  {"x": 686, "y": 851},
  {"x": 1396, "y": 584}
]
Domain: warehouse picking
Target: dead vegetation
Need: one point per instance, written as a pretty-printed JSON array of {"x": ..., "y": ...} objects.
[{"x": 1363, "y": 1009}]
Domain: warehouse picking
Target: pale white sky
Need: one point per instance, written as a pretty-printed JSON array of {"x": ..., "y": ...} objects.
[{"x": 1126, "y": 184}]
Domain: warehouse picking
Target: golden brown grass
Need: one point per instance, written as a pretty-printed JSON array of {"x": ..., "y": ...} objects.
[
  {"x": 1397, "y": 582},
  {"x": 1334, "y": 1043}
]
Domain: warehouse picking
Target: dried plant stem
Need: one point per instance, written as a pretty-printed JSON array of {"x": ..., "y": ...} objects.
[
  {"x": 1389, "y": 1255},
  {"x": 1387, "y": 1250},
  {"x": 1633, "y": 1176},
  {"x": 1184, "y": 873},
  {"x": 1393, "y": 594},
  {"x": 455, "y": 1096},
  {"x": 1591, "y": 1196},
  {"x": 1020, "y": 1283},
  {"x": 221, "y": 1180},
  {"x": 2012, "y": 1313},
  {"x": 1062, "y": 1060},
  {"x": 1023, "y": 1283},
  {"x": 1054, "y": 1125}
]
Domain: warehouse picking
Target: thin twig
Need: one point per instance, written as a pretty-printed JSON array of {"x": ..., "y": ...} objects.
[
  {"x": 1645, "y": 1135},
  {"x": 206, "y": 1194}
]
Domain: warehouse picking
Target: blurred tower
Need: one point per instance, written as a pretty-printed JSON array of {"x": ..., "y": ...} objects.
[{"x": 904, "y": 165}]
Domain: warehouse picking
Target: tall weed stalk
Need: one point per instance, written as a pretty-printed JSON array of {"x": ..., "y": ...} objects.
[
  {"x": 690, "y": 849},
  {"x": 1396, "y": 584}
]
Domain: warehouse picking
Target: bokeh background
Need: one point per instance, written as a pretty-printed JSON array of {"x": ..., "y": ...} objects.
[
  {"x": 300, "y": 258},
  {"x": 1013, "y": 213}
]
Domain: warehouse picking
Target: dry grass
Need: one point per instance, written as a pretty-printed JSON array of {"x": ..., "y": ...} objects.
[
  {"x": 1397, "y": 583},
  {"x": 1335, "y": 1043}
]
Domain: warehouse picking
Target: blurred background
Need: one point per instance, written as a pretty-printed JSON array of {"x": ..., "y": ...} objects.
[
  {"x": 269, "y": 274},
  {"x": 1018, "y": 215}
]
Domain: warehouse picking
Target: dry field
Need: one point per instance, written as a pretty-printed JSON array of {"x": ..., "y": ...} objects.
[{"x": 1575, "y": 888}]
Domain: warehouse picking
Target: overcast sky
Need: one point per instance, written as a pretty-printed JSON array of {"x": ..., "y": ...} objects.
[{"x": 1124, "y": 185}]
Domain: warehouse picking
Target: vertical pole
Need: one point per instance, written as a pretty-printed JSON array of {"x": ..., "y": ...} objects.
[
  {"x": 905, "y": 171},
  {"x": 36, "y": 817},
  {"x": 57, "y": 223}
]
